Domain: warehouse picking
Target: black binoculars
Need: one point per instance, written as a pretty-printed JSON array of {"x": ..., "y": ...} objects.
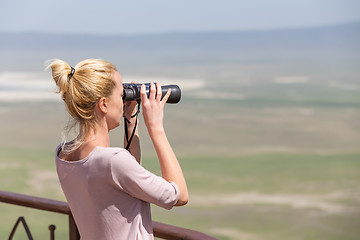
[{"x": 132, "y": 92}]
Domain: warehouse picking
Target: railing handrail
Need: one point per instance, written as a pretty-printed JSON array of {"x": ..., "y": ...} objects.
[
  {"x": 45, "y": 204},
  {"x": 161, "y": 230}
]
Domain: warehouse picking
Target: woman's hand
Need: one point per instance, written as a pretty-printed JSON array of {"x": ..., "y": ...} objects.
[
  {"x": 153, "y": 112},
  {"x": 129, "y": 109},
  {"x": 153, "y": 107}
]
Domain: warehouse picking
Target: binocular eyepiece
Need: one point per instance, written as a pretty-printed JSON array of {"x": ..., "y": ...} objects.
[{"x": 132, "y": 92}]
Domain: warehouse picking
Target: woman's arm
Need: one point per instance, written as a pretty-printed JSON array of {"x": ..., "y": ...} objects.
[
  {"x": 134, "y": 148},
  {"x": 153, "y": 112}
]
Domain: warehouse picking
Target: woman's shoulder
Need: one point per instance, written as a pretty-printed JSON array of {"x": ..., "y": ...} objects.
[
  {"x": 98, "y": 152},
  {"x": 113, "y": 151},
  {"x": 112, "y": 154},
  {"x": 120, "y": 158}
]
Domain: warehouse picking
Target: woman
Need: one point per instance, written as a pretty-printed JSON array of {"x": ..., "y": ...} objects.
[{"x": 108, "y": 191}]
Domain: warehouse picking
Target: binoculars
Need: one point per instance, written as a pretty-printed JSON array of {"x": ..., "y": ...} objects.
[{"x": 132, "y": 92}]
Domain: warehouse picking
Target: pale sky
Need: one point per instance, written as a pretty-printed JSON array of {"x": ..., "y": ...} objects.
[{"x": 158, "y": 16}]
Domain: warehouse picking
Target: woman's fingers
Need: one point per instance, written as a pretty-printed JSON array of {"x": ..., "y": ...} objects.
[
  {"x": 155, "y": 93},
  {"x": 158, "y": 92},
  {"x": 143, "y": 96},
  {"x": 152, "y": 94},
  {"x": 166, "y": 97}
]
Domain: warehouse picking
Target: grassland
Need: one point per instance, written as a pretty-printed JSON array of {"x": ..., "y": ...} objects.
[
  {"x": 249, "y": 196},
  {"x": 262, "y": 160}
]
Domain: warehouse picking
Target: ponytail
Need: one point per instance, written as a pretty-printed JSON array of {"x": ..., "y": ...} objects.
[{"x": 81, "y": 88}]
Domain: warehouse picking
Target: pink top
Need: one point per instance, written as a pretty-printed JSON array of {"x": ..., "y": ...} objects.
[{"x": 109, "y": 194}]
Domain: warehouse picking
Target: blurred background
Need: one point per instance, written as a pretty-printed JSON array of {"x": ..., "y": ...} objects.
[{"x": 267, "y": 130}]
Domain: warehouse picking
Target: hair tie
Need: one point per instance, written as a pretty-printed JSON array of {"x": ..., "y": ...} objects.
[{"x": 72, "y": 72}]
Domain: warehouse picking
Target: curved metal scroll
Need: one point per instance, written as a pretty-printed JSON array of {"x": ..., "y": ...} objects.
[{"x": 27, "y": 230}]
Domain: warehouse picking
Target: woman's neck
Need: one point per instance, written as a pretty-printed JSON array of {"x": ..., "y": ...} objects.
[
  {"x": 92, "y": 140},
  {"x": 98, "y": 137}
]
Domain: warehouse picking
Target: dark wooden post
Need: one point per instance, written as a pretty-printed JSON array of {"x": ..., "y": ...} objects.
[
  {"x": 73, "y": 230},
  {"x": 52, "y": 231}
]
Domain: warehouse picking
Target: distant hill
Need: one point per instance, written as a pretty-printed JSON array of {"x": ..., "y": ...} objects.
[{"x": 29, "y": 49}]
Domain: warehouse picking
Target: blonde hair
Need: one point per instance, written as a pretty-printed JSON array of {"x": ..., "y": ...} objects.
[{"x": 81, "y": 88}]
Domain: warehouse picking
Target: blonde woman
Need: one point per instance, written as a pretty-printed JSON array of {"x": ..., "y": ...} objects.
[{"x": 108, "y": 191}]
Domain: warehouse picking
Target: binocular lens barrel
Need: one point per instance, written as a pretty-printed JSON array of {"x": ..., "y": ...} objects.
[{"x": 132, "y": 92}]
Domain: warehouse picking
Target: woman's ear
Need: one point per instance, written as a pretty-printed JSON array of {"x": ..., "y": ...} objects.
[{"x": 102, "y": 105}]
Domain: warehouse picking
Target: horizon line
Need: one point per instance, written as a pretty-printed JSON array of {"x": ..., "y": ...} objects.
[{"x": 255, "y": 30}]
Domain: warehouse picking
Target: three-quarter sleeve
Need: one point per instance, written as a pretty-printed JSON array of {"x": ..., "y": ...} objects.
[{"x": 128, "y": 175}]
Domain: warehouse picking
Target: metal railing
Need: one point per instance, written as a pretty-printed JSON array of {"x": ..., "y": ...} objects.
[{"x": 161, "y": 230}]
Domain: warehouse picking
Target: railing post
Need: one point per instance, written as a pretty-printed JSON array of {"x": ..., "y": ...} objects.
[
  {"x": 52, "y": 231},
  {"x": 73, "y": 230}
]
